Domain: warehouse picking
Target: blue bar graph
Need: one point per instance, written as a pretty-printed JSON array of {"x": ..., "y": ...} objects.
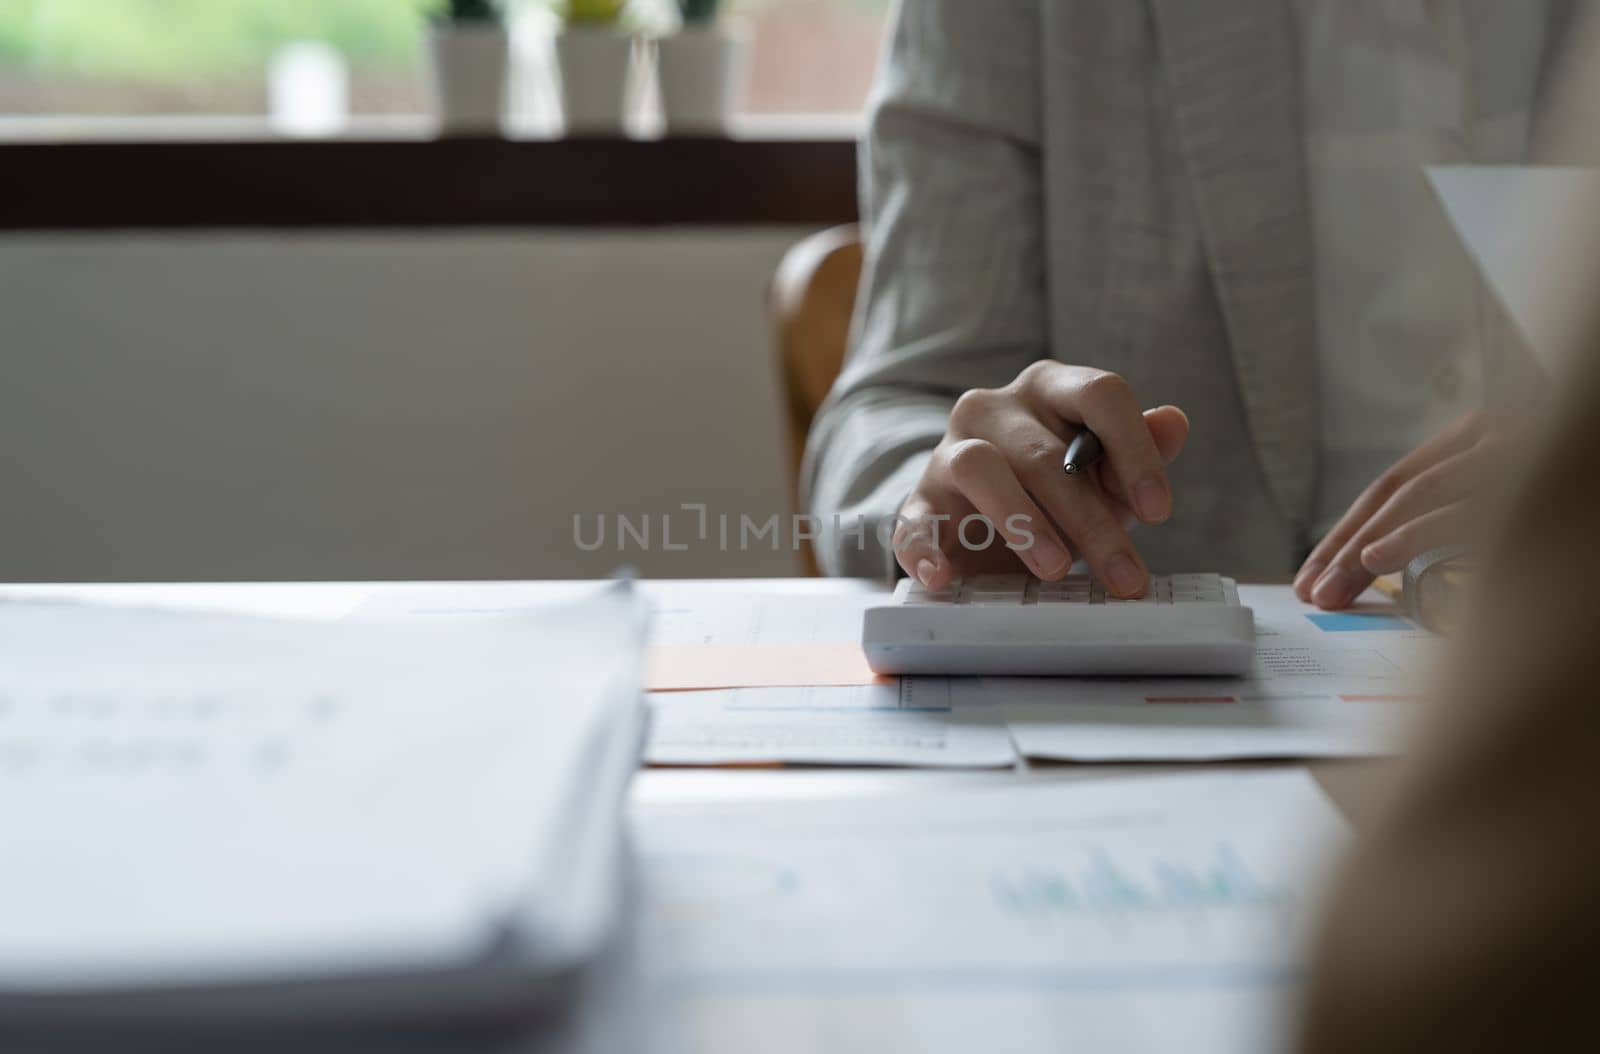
[{"x": 1106, "y": 887}]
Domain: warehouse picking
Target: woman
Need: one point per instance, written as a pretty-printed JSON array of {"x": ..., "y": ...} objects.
[{"x": 1076, "y": 210}]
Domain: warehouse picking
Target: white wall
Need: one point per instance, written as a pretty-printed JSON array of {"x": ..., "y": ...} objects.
[{"x": 416, "y": 405}]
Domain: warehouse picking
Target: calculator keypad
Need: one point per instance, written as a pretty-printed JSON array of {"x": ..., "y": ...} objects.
[{"x": 1017, "y": 590}]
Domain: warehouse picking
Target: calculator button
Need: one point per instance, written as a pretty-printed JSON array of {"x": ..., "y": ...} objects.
[
  {"x": 995, "y": 590},
  {"x": 1202, "y": 583},
  {"x": 1004, "y": 584},
  {"x": 917, "y": 593}
]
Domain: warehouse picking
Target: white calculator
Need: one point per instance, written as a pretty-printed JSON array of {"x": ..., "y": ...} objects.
[{"x": 1016, "y": 625}]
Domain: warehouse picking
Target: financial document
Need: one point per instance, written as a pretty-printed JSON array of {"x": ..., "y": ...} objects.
[
  {"x": 1158, "y": 913},
  {"x": 909, "y": 721},
  {"x": 1325, "y": 684}
]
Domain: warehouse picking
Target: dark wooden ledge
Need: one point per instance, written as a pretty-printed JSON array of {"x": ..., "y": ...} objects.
[{"x": 426, "y": 183}]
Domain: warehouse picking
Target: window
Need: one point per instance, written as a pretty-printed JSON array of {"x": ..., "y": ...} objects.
[
  {"x": 142, "y": 58},
  {"x": 811, "y": 56},
  {"x": 198, "y": 56}
]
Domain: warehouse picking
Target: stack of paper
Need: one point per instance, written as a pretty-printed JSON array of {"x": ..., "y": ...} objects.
[{"x": 213, "y": 815}]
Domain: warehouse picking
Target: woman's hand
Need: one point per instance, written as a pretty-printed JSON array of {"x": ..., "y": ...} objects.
[
  {"x": 1419, "y": 504},
  {"x": 994, "y": 496}
]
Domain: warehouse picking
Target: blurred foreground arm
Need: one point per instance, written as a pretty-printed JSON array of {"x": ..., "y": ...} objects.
[{"x": 1469, "y": 918}]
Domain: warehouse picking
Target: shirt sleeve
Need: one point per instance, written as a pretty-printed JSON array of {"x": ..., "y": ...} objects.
[{"x": 952, "y": 296}]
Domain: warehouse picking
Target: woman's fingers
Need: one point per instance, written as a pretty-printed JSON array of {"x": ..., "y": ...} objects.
[
  {"x": 1405, "y": 543},
  {"x": 1091, "y": 518},
  {"x": 1454, "y": 440},
  {"x": 994, "y": 491},
  {"x": 1318, "y": 570},
  {"x": 971, "y": 514},
  {"x": 1105, "y": 403},
  {"x": 1095, "y": 527},
  {"x": 1446, "y": 483},
  {"x": 985, "y": 478},
  {"x": 917, "y": 548},
  {"x": 1169, "y": 427}
]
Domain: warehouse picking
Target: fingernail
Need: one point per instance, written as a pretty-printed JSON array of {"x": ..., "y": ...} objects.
[
  {"x": 1332, "y": 589},
  {"x": 1307, "y": 577},
  {"x": 1048, "y": 556},
  {"x": 1153, "y": 500},
  {"x": 1124, "y": 576},
  {"x": 925, "y": 572}
]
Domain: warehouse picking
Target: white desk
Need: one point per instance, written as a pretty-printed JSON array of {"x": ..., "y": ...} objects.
[
  {"x": 617, "y": 1008},
  {"x": 1344, "y": 781}
]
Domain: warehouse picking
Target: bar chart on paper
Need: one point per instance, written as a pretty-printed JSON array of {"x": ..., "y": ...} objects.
[
  {"x": 1172, "y": 909},
  {"x": 996, "y": 909},
  {"x": 1105, "y": 886},
  {"x": 1047, "y": 887}
]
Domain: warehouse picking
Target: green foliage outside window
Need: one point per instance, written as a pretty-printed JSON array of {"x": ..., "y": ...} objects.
[
  {"x": 591, "y": 11},
  {"x": 173, "y": 38}
]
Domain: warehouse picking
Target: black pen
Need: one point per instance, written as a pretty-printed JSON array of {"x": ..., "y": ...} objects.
[{"x": 1082, "y": 453}]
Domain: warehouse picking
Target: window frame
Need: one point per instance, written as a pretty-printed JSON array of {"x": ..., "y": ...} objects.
[{"x": 421, "y": 183}]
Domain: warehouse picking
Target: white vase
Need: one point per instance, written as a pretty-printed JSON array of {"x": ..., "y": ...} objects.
[
  {"x": 469, "y": 61},
  {"x": 595, "y": 64},
  {"x": 701, "y": 71}
]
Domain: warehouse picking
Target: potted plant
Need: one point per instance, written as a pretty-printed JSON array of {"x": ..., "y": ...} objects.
[
  {"x": 595, "y": 53},
  {"x": 470, "y": 50},
  {"x": 701, "y": 69}
]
